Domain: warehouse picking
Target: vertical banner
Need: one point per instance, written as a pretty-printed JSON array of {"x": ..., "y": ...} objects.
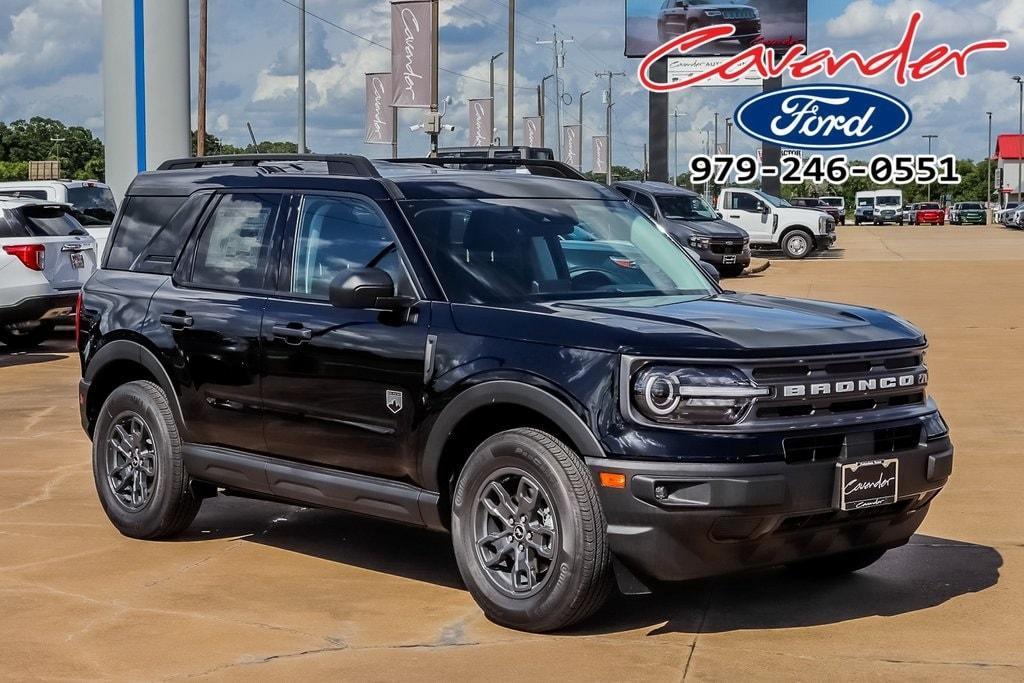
[
  {"x": 379, "y": 130},
  {"x": 481, "y": 122},
  {"x": 411, "y": 52},
  {"x": 600, "y": 153},
  {"x": 533, "y": 131},
  {"x": 572, "y": 145}
]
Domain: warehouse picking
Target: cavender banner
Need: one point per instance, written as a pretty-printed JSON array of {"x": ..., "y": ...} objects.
[
  {"x": 600, "y": 144},
  {"x": 411, "y": 52},
  {"x": 379, "y": 130},
  {"x": 481, "y": 122},
  {"x": 572, "y": 144},
  {"x": 533, "y": 131}
]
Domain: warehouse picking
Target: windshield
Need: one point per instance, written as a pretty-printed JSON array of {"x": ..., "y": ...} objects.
[
  {"x": 970, "y": 207},
  {"x": 93, "y": 202},
  {"x": 833, "y": 201},
  {"x": 772, "y": 199},
  {"x": 511, "y": 251},
  {"x": 891, "y": 200},
  {"x": 928, "y": 207},
  {"x": 686, "y": 207},
  {"x": 865, "y": 201},
  {"x": 51, "y": 221}
]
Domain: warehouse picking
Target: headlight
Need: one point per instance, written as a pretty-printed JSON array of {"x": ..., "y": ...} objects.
[
  {"x": 699, "y": 242},
  {"x": 713, "y": 12},
  {"x": 693, "y": 395}
]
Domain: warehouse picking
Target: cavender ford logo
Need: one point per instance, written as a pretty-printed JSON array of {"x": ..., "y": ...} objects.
[{"x": 886, "y": 383}]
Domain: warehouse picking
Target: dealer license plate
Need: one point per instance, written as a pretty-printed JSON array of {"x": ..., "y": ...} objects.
[
  {"x": 729, "y": 260},
  {"x": 868, "y": 484},
  {"x": 77, "y": 260}
]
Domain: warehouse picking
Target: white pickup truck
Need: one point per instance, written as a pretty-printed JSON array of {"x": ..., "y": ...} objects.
[{"x": 773, "y": 222}]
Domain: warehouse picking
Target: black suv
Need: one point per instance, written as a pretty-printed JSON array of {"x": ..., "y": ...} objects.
[
  {"x": 693, "y": 223},
  {"x": 527, "y": 362}
]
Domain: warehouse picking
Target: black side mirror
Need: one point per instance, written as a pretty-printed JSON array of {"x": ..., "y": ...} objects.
[
  {"x": 709, "y": 270},
  {"x": 366, "y": 288},
  {"x": 720, "y": 215},
  {"x": 765, "y": 209}
]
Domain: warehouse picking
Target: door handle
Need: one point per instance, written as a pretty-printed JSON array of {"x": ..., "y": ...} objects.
[
  {"x": 292, "y": 335},
  {"x": 733, "y": 215},
  {"x": 177, "y": 321}
]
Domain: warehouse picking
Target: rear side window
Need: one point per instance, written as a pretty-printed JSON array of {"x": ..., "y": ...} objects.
[
  {"x": 233, "y": 250},
  {"x": 94, "y": 202},
  {"x": 30, "y": 194},
  {"x": 143, "y": 217}
]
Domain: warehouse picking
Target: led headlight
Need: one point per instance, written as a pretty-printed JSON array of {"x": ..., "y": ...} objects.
[
  {"x": 693, "y": 395},
  {"x": 712, "y": 12},
  {"x": 698, "y": 242}
]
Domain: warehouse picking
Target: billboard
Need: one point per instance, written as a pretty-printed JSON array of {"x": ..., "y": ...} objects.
[{"x": 773, "y": 23}]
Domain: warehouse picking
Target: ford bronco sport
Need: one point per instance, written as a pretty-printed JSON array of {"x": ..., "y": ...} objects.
[{"x": 529, "y": 363}]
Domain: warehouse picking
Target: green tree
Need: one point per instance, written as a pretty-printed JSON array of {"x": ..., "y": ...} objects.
[{"x": 37, "y": 140}]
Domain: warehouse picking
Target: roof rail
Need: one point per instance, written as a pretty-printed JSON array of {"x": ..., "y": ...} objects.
[
  {"x": 555, "y": 169},
  {"x": 337, "y": 164}
]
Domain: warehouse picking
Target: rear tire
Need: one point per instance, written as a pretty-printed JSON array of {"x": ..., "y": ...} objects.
[
  {"x": 797, "y": 244},
  {"x": 837, "y": 565},
  {"x": 18, "y": 338},
  {"x": 527, "y": 486},
  {"x": 137, "y": 464}
]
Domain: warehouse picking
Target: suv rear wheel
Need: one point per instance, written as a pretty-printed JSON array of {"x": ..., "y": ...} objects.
[
  {"x": 797, "y": 244},
  {"x": 137, "y": 464},
  {"x": 25, "y": 337},
  {"x": 529, "y": 532}
]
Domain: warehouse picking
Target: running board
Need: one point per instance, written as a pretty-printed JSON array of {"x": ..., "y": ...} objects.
[{"x": 314, "y": 486}]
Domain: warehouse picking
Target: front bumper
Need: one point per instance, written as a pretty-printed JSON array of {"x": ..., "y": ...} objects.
[
  {"x": 57, "y": 306},
  {"x": 713, "y": 519},
  {"x": 741, "y": 259}
]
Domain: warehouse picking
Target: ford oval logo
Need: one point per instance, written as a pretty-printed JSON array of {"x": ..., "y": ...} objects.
[{"x": 823, "y": 116}]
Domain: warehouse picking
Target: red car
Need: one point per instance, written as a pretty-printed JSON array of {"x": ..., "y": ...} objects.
[{"x": 929, "y": 212}]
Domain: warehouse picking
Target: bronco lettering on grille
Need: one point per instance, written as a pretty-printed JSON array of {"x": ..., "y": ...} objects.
[{"x": 852, "y": 386}]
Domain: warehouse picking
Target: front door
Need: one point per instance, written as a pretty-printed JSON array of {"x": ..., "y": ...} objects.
[
  {"x": 342, "y": 388},
  {"x": 747, "y": 211}
]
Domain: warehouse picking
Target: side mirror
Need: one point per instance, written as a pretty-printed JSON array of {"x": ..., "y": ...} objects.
[
  {"x": 709, "y": 270},
  {"x": 366, "y": 288},
  {"x": 765, "y": 209},
  {"x": 720, "y": 215}
]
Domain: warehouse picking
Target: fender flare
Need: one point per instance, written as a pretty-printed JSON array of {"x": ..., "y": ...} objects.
[
  {"x": 125, "y": 349},
  {"x": 503, "y": 391}
]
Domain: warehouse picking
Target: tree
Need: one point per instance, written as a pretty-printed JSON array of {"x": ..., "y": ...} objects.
[{"x": 35, "y": 140}]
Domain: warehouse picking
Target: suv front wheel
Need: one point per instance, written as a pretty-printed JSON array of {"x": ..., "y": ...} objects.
[
  {"x": 529, "y": 532},
  {"x": 137, "y": 464}
]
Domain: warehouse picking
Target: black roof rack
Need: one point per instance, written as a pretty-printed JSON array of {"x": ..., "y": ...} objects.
[
  {"x": 337, "y": 164},
  {"x": 555, "y": 169}
]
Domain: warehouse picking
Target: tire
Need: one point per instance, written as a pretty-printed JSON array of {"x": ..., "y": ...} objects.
[
  {"x": 566, "y": 513},
  {"x": 837, "y": 565},
  {"x": 797, "y": 244},
  {"x": 160, "y": 503},
  {"x": 18, "y": 338},
  {"x": 731, "y": 271},
  {"x": 856, "y": 221},
  {"x": 942, "y": 222}
]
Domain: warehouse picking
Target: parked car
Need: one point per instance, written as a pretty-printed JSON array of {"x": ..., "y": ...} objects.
[
  {"x": 91, "y": 201},
  {"x": 414, "y": 347},
  {"x": 864, "y": 207},
  {"x": 692, "y": 222},
  {"x": 677, "y": 17},
  {"x": 772, "y": 222},
  {"x": 45, "y": 257},
  {"x": 967, "y": 213},
  {"x": 1005, "y": 215},
  {"x": 888, "y": 209},
  {"x": 927, "y": 212},
  {"x": 839, "y": 203},
  {"x": 1017, "y": 219},
  {"x": 819, "y": 205}
]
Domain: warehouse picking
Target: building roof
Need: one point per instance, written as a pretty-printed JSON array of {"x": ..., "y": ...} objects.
[{"x": 1009, "y": 147}]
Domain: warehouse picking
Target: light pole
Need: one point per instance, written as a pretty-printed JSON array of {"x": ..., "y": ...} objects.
[
  {"x": 675, "y": 146},
  {"x": 988, "y": 169},
  {"x": 728, "y": 135},
  {"x": 1020, "y": 137},
  {"x": 608, "y": 118},
  {"x": 301, "y": 146},
  {"x": 511, "y": 94},
  {"x": 715, "y": 151},
  {"x": 558, "y": 47},
  {"x": 492, "y": 78},
  {"x": 930, "y": 137},
  {"x": 542, "y": 106}
]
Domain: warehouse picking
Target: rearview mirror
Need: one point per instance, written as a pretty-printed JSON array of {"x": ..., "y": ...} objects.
[{"x": 366, "y": 288}]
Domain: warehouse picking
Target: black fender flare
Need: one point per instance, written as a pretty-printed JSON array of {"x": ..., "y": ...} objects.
[
  {"x": 503, "y": 391},
  {"x": 126, "y": 349}
]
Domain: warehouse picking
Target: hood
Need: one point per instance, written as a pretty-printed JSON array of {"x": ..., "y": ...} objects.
[
  {"x": 717, "y": 228},
  {"x": 728, "y": 325}
]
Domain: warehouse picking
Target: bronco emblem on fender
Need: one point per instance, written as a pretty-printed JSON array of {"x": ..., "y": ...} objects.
[{"x": 394, "y": 400}]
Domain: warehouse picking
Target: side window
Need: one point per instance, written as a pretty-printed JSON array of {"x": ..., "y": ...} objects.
[
  {"x": 337, "y": 233},
  {"x": 741, "y": 201},
  {"x": 645, "y": 204},
  {"x": 235, "y": 244},
  {"x": 142, "y": 219}
]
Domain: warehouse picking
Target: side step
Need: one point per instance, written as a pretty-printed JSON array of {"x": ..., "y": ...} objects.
[{"x": 314, "y": 486}]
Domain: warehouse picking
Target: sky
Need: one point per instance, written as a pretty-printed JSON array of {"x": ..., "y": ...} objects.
[{"x": 51, "y": 53}]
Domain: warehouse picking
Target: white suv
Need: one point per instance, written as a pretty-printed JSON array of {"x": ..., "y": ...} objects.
[
  {"x": 45, "y": 258},
  {"x": 91, "y": 201}
]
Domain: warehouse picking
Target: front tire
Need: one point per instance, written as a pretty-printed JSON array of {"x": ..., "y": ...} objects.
[
  {"x": 137, "y": 464},
  {"x": 19, "y": 338},
  {"x": 797, "y": 244},
  {"x": 529, "y": 532},
  {"x": 837, "y": 565}
]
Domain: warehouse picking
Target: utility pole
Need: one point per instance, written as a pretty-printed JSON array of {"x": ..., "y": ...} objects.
[
  {"x": 201, "y": 105},
  {"x": 511, "y": 70},
  {"x": 558, "y": 48},
  {"x": 988, "y": 169},
  {"x": 728, "y": 135},
  {"x": 608, "y": 117},
  {"x": 540, "y": 101},
  {"x": 56, "y": 142},
  {"x": 542, "y": 106},
  {"x": 1020, "y": 138},
  {"x": 930, "y": 137},
  {"x": 492, "y": 78},
  {"x": 301, "y": 146},
  {"x": 675, "y": 146},
  {"x": 647, "y": 165},
  {"x": 715, "y": 151},
  {"x": 582, "y": 94},
  {"x": 435, "y": 119}
]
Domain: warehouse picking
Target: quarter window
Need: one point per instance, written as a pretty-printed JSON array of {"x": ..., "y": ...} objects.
[{"x": 234, "y": 247}]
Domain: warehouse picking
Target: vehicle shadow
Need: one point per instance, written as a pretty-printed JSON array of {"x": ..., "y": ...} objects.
[
  {"x": 11, "y": 360},
  {"x": 58, "y": 347},
  {"x": 925, "y": 573}
]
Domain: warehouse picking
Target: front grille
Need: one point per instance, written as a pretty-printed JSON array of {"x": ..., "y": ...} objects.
[
  {"x": 828, "y": 447},
  {"x": 731, "y": 247},
  {"x": 739, "y": 13}
]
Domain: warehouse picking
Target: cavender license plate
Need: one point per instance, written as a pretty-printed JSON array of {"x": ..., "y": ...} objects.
[
  {"x": 868, "y": 484},
  {"x": 77, "y": 261},
  {"x": 729, "y": 260}
]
